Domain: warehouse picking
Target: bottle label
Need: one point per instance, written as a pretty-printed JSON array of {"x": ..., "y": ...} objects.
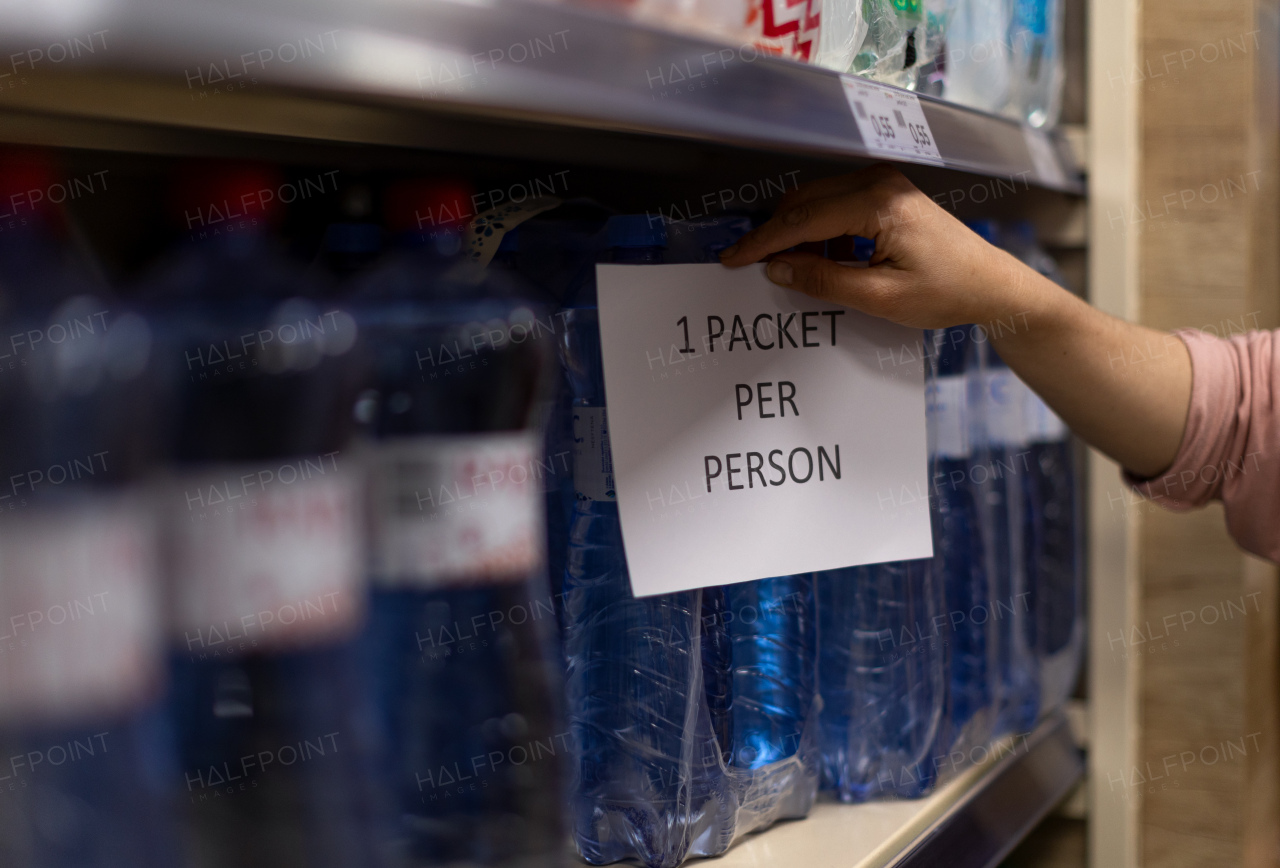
[
  {"x": 1042, "y": 424},
  {"x": 453, "y": 511},
  {"x": 1006, "y": 400},
  {"x": 265, "y": 556},
  {"x": 592, "y": 457},
  {"x": 949, "y": 431},
  {"x": 80, "y": 617}
]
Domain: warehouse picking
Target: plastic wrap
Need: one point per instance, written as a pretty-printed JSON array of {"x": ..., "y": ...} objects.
[
  {"x": 1035, "y": 43},
  {"x": 787, "y": 28},
  {"x": 892, "y": 49},
  {"x": 694, "y": 715},
  {"x": 959, "y": 557},
  {"x": 882, "y": 676},
  {"x": 841, "y": 35},
  {"x": 978, "y": 58}
]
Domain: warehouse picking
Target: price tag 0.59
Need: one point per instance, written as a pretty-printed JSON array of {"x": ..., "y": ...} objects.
[{"x": 892, "y": 122}]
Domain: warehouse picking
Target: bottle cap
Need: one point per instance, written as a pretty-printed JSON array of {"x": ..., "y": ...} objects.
[
  {"x": 636, "y": 230},
  {"x": 28, "y": 183},
  {"x": 228, "y": 196}
]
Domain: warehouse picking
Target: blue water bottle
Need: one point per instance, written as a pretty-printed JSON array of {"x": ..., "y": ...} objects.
[
  {"x": 458, "y": 647},
  {"x": 89, "y": 775},
  {"x": 647, "y": 779}
]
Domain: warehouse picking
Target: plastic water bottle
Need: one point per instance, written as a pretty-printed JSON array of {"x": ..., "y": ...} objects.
[
  {"x": 1013, "y": 606},
  {"x": 458, "y": 646},
  {"x": 1054, "y": 528},
  {"x": 883, "y": 666},
  {"x": 1037, "y": 73},
  {"x": 892, "y": 49},
  {"x": 882, "y": 677},
  {"x": 263, "y": 540},
  {"x": 648, "y": 783},
  {"x": 759, "y": 651},
  {"x": 551, "y": 417},
  {"x": 89, "y": 776},
  {"x": 959, "y": 554},
  {"x": 979, "y": 72}
]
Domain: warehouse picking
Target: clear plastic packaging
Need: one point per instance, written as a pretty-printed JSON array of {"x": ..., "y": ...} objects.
[
  {"x": 892, "y": 49},
  {"x": 1035, "y": 42},
  {"x": 978, "y": 61},
  {"x": 694, "y": 714},
  {"x": 882, "y": 674},
  {"x": 786, "y": 28},
  {"x": 841, "y": 35},
  {"x": 959, "y": 555}
]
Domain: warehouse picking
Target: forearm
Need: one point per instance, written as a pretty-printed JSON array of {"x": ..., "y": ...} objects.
[{"x": 1121, "y": 387}]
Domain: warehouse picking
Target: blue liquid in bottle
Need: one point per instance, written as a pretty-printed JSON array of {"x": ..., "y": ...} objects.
[
  {"x": 1053, "y": 524},
  {"x": 458, "y": 646},
  {"x": 648, "y": 782},
  {"x": 759, "y": 651},
  {"x": 89, "y": 767},
  {"x": 881, "y": 674},
  {"x": 959, "y": 554},
  {"x": 264, "y": 549},
  {"x": 1004, "y": 469}
]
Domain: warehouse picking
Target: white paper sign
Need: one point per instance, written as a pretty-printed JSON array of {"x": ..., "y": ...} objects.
[
  {"x": 757, "y": 432},
  {"x": 891, "y": 121}
]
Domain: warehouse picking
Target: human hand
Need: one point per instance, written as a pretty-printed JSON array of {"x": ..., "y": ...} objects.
[{"x": 929, "y": 270}]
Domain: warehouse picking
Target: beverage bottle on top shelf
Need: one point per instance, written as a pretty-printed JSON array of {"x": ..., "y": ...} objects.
[
  {"x": 1013, "y": 607},
  {"x": 759, "y": 653},
  {"x": 892, "y": 51},
  {"x": 458, "y": 644},
  {"x": 1054, "y": 545},
  {"x": 959, "y": 554},
  {"x": 1037, "y": 74},
  {"x": 979, "y": 73},
  {"x": 263, "y": 543},
  {"x": 89, "y": 774},
  {"x": 647, "y": 782}
]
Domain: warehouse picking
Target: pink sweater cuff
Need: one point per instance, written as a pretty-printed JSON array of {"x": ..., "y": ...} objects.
[{"x": 1229, "y": 447}]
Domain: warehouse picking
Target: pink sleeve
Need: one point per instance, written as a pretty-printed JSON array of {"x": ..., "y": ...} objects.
[{"x": 1228, "y": 451}]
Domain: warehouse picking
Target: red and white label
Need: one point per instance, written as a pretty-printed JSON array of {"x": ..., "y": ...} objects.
[
  {"x": 265, "y": 556},
  {"x": 453, "y": 511},
  {"x": 80, "y": 616}
]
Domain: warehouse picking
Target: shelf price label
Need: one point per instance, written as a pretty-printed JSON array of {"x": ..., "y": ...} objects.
[
  {"x": 755, "y": 431},
  {"x": 891, "y": 121}
]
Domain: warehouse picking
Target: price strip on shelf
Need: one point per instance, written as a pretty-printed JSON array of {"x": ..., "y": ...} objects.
[
  {"x": 756, "y": 432},
  {"x": 1044, "y": 157},
  {"x": 891, "y": 121}
]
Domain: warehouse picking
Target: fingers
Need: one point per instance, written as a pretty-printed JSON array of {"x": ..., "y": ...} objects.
[
  {"x": 870, "y": 290},
  {"x": 815, "y": 220}
]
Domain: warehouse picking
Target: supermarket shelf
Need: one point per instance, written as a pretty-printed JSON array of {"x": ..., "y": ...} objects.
[
  {"x": 442, "y": 75},
  {"x": 972, "y": 822}
]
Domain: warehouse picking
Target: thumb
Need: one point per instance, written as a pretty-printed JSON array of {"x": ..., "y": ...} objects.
[{"x": 866, "y": 289}]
